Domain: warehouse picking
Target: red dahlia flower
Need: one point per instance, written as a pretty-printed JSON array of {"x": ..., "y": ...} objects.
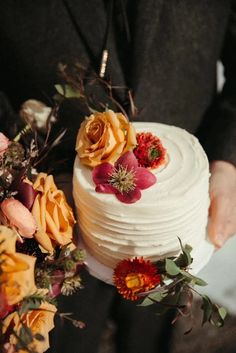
[
  {"x": 134, "y": 276},
  {"x": 149, "y": 152},
  {"x": 125, "y": 179}
]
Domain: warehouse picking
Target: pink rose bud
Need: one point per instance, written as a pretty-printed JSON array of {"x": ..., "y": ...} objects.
[
  {"x": 8, "y": 348},
  {"x": 4, "y": 142},
  {"x": 19, "y": 216}
]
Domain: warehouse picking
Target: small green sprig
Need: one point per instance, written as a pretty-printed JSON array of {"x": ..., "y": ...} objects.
[
  {"x": 63, "y": 270},
  {"x": 34, "y": 301},
  {"x": 177, "y": 289},
  {"x": 25, "y": 339}
]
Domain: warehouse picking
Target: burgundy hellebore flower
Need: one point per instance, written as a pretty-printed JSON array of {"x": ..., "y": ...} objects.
[
  {"x": 26, "y": 194},
  {"x": 125, "y": 179}
]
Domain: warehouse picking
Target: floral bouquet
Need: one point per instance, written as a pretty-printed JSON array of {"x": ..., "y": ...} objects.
[{"x": 38, "y": 260}]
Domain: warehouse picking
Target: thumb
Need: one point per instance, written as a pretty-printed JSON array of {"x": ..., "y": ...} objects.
[{"x": 218, "y": 216}]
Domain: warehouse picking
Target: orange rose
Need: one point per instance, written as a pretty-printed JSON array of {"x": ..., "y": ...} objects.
[
  {"x": 16, "y": 270},
  {"x": 54, "y": 217},
  {"x": 39, "y": 321},
  {"x": 103, "y": 137}
]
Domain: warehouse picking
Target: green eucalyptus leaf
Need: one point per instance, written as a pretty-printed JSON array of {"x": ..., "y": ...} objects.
[
  {"x": 67, "y": 91},
  {"x": 29, "y": 304},
  {"x": 207, "y": 308},
  {"x": 188, "y": 248},
  {"x": 171, "y": 267},
  {"x": 33, "y": 302},
  {"x": 200, "y": 282},
  {"x": 158, "y": 296},
  {"x": 185, "y": 258},
  {"x": 222, "y": 312},
  {"x": 59, "y": 89},
  {"x": 187, "y": 254},
  {"x": 154, "y": 297},
  {"x": 146, "y": 302},
  {"x": 196, "y": 280},
  {"x": 218, "y": 317}
]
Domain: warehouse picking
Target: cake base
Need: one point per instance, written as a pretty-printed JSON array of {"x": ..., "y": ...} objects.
[{"x": 201, "y": 257}]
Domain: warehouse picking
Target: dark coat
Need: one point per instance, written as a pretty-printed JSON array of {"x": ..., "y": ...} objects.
[{"x": 169, "y": 62}]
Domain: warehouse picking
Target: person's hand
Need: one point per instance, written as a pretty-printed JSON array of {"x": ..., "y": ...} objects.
[{"x": 222, "y": 212}]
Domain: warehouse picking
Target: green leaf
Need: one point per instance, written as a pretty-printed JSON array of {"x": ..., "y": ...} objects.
[
  {"x": 207, "y": 308},
  {"x": 171, "y": 267},
  {"x": 146, "y": 302},
  {"x": 222, "y": 312},
  {"x": 39, "y": 337},
  {"x": 67, "y": 91},
  {"x": 154, "y": 297},
  {"x": 33, "y": 302},
  {"x": 196, "y": 280},
  {"x": 186, "y": 256},
  {"x": 200, "y": 282},
  {"x": 26, "y": 334},
  {"x": 30, "y": 304},
  {"x": 60, "y": 89},
  {"x": 218, "y": 316},
  {"x": 158, "y": 296}
]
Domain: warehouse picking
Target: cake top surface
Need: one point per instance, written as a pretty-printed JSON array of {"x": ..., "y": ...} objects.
[{"x": 186, "y": 167}]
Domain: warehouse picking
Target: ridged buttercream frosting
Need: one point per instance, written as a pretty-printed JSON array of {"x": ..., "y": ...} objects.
[{"x": 176, "y": 206}]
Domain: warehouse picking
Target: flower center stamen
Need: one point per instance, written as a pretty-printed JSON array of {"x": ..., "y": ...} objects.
[
  {"x": 135, "y": 281},
  {"x": 122, "y": 179},
  {"x": 153, "y": 153}
]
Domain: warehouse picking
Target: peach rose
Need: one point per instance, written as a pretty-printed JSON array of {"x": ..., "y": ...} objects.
[
  {"x": 19, "y": 216},
  {"x": 53, "y": 215},
  {"x": 16, "y": 270},
  {"x": 4, "y": 143},
  {"x": 103, "y": 137},
  {"x": 39, "y": 321}
]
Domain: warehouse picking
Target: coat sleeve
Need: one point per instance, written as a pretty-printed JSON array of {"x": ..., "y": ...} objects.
[{"x": 218, "y": 133}]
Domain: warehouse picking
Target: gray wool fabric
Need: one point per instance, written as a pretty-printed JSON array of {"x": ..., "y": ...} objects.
[{"x": 169, "y": 62}]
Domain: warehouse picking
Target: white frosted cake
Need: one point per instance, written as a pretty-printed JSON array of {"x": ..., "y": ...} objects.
[{"x": 176, "y": 206}]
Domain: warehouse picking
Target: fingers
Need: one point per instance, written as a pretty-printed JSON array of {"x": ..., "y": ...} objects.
[
  {"x": 222, "y": 212},
  {"x": 219, "y": 215}
]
